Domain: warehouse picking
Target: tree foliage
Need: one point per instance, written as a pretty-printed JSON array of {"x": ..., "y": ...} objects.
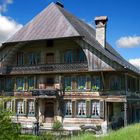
[{"x": 8, "y": 129}]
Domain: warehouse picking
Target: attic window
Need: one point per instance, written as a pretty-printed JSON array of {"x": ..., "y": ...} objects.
[{"x": 50, "y": 43}]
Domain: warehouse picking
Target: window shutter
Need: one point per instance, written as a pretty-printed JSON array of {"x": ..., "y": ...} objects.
[
  {"x": 25, "y": 106},
  {"x": 4, "y": 105},
  {"x": 102, "y": 109},
  {"x": 13, "y": 105},
  {"x": 73, "y": 109},
  {"x": 88, "y": 108},
  {"x": 62, "y": 107},
  {"x": 88, "y": 83}
]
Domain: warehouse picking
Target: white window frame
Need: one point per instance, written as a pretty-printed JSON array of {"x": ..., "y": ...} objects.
[
  {"x": 95, "y": 108},
  {"x": 31, "y": 108},
  {"x": 81, "y": 108},
  {"x": 68, "y": 108}
]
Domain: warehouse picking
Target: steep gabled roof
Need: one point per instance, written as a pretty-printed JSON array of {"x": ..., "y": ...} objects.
[
  {"x": 55, "y": 22},
  {"x": 48, "y": 24}
]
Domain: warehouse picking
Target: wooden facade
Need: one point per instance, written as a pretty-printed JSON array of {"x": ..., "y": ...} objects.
[{"x": 69, "y": 79}]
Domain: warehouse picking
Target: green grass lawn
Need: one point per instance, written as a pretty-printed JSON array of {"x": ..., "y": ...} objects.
[
  {"x": 29, "y": 137},
  {"x": 129, "y": 133}
]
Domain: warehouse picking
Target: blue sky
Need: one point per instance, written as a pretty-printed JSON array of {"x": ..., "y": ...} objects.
[{"x": 124, "y": 18}]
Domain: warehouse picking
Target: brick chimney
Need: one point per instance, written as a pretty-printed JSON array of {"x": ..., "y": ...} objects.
[{"x": 101, "y": 23}]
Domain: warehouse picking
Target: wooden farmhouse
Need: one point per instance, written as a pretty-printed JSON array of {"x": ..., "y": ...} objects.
[{"x": 57, "y": 67}]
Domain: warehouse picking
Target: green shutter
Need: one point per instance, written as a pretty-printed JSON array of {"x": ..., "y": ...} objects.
[
  {"x": 25, "y": 106},
  {"x": 13, "y": 105},
  {"x": 102, "y": 109},
  {"x": 4, "y": 105},
  {"x": 73, "y": 109},
  {"x": 88, "y": 108}
]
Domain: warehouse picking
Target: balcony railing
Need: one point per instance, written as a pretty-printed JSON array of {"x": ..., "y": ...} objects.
[
  {"x": 43, "y": 92},
  {"x": 47, "y": 68}
]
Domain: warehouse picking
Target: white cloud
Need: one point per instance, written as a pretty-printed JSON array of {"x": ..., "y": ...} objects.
[
  {"x": 128, "y": 42},
  {"x": 4, "y": 5},
  {"x": 8, "y": 27},
  {"x": 135, "y": 62}
]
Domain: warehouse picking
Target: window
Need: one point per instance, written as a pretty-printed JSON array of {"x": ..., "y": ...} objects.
[
  {"x": 82, "y": 57},
  {"x": 68, "y": 81},
  {"x": 31, "y": 108},
  {"x": 50, "y": 58},
  {"x": 50, "y": 43},
  {"x": 50, "y": 81},
  {"x": 20, "y": 84},
  {"x": 20, "y": 107},
  {"x": 115, "y": 83},
  {"x": 68, "y": 56},
  {"x": 9, "y": 84},
  {"x": 95, "y": 83},
  {"x": 20, "y": 57},
  {"x": 81, "y": 108},
  {"x": 8, "y": 105},
  {"x": 68, "y": 109},
  {"x": 31, "y": 83},
  {"x": 81, "y": 83},
  {"x": 95, "y": 108},
  {"x": 34, "y": 58}
]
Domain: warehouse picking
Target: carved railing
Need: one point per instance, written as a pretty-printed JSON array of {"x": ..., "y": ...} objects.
[
  {"x": 43, "y": 92},
  {"x": 47, "y": 68}
]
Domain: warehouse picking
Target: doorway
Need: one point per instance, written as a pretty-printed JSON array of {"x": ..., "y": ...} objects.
[
  {"x": 49, "y": 110},
  {"x": 50, "y": 58}
]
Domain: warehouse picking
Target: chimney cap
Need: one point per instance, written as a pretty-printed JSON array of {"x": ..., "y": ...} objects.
[
  {"x": 60, "y": 4},
  {"x": 101, "y": 18}
]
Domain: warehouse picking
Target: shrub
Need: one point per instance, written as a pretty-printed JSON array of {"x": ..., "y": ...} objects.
[{"x": 57, "y": 125}]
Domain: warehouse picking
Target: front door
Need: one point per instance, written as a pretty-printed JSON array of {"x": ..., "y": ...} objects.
[{"x": 49, "y": 110}]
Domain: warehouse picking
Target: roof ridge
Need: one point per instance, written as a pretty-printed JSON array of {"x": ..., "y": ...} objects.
[{"x": 67, "y": 19}]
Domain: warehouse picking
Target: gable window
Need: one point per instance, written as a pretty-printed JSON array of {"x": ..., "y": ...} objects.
[
  {"x": 31, "y": 83},
  {"x": 95, "y": 83},
  {"x": 81, "y": 108},
  {"x": 81, "y": 83},
  {"x": 95, "y": 108},
  {"x": 9, "y": 84},
  {"x": 68, "y": 56},
  {"x": 34, "y": 58},
  {"x": 68, "y": 81},
  {"x": 20, "y": 84},
  {"x": 20, "y": 107},
  {"x": 31, "y": 107},
  {"x": 20, "y": 58},
  {"x": 50, "y": 43},
  {"x": 115, "y": 83},
  {"x": 68, "y": 108}
]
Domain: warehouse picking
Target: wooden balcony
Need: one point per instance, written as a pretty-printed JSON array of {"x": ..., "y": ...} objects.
[
  {"x": 45, "y": 93},
  {"x": 47, "y": 68}
]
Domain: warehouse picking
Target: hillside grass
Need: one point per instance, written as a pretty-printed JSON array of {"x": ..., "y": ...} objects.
[{"x": 131, "y": 132}]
